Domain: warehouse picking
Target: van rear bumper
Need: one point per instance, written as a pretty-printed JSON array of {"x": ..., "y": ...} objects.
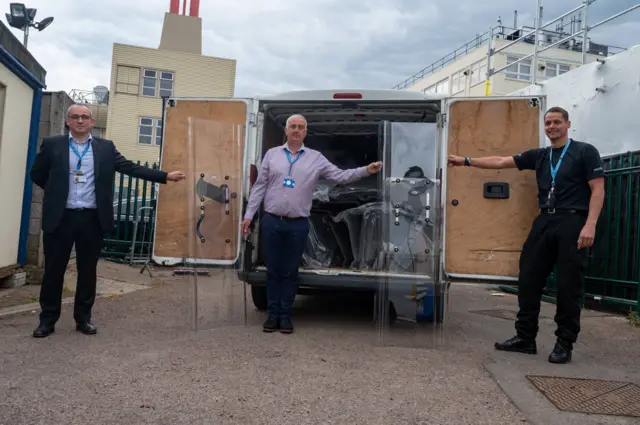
[{"x": 351, "y": 282}]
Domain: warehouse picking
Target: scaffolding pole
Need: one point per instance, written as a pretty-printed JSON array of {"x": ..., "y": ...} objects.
[
  {"x": 534, "y": 64},
  {"x": 585, "y": 30},
  {"x": 487, "y": 83}
]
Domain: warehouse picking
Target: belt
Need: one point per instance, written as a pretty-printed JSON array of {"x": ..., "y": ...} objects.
[
  {"x": 284, "y": 218},
  {"x": 80, "y": 209},
  {"x": 552, "y": 211}
]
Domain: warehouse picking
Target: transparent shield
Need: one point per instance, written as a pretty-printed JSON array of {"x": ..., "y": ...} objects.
[
  {"x": 215, "y": 175},
  {"x": 411, "y": 297}
]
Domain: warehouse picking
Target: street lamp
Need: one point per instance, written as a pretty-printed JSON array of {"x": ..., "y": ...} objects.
[{"x": 23, "y": 18}]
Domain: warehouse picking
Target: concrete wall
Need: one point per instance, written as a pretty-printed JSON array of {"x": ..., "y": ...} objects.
[
  {"x": 15, "y": 122},
  {"x": 607, "y": 120},
  {"x": 52, "y": 120},
  {"x": 194, "y": 76}
]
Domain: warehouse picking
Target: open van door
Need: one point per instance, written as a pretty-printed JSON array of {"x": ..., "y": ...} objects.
[
  {"x": 198, "y": 221},
  {"x": 488, "y": 213}
]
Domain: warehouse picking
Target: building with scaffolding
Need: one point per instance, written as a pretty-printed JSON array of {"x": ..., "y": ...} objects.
[{"x": 506, "y": 59}]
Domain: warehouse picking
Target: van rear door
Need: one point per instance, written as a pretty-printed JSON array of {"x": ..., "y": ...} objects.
[
  {"x": 198, "y": 221},
  {"x": 488, "y": 213}
]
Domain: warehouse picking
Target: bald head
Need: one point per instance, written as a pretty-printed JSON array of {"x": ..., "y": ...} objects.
[{"x": 80, "y": 121}]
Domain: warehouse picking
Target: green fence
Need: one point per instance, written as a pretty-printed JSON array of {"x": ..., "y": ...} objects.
[
  {"x": 613, "y": 273},
  {"x": 134, "y": 213}
]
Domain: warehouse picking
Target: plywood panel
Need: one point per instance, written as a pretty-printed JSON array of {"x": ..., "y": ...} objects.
[
  {"x": 217, "y": 134},
  {"x": 485, "y": 236}
]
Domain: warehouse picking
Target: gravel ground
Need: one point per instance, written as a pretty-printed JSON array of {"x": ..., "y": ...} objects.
[{"x": 146, "y": 366}]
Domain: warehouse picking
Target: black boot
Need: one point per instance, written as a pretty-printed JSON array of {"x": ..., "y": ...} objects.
[
  {"x": 517, "y": 345},
  {"x": 561, "y": 352},
  {"x": 43, "y": 331},
  {"x": 271, "y": 325}
]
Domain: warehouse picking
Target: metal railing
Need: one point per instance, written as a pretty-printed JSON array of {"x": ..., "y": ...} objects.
[
  {"x": 89, "y": 97},
  {"x": 134, "y": 215}
]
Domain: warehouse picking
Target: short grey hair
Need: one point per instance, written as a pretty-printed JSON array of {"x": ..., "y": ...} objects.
[
  {"x": 295, "y": 116},
  {"x": 79, "y": 104}
]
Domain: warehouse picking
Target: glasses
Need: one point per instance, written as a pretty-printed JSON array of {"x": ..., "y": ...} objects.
[
  {"x": 77, "y": 117},
  {"x": 299, "y": 126}
]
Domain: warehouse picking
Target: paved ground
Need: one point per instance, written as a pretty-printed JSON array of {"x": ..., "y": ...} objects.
[{"x": 146, "y": 366}]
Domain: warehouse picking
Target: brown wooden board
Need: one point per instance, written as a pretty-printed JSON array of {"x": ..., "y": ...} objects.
[
  {"x": 217, "y": 131},
  {"x": 485, "y": 236}
]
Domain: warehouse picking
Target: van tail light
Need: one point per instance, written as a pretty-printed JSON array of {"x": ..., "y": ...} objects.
[{"x": 253, "y": 175}]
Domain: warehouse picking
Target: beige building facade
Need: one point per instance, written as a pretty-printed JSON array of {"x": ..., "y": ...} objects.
[{"x": 141, "y": 76}]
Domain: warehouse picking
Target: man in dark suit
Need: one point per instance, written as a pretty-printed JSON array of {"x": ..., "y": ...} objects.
[{"x": 76, "y": 172}]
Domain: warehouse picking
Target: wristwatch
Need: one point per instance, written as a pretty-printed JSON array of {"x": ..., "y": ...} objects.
[{"x": 467, "y": 161}]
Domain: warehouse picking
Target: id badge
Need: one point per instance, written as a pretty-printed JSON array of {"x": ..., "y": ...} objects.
[
  {"x": 289, "y": 183},
  {"x": 80, "y": 179},
  {"x": 551, "y": 199}
]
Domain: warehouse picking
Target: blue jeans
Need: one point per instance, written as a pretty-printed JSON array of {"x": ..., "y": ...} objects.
[{"x": 283, "y": 244}]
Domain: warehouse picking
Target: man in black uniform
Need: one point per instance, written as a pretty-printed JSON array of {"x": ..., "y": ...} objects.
[{"x": 570, "y": 180}]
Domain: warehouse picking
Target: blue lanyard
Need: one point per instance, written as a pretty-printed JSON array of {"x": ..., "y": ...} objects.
[
  {"x": 78, "y": 153},
  {"x": 554, "y": 170},
  {"x": 286, "y": 151}
]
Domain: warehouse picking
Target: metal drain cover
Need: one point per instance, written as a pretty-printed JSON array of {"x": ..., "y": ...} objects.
[{"x": 590, "y": 395}]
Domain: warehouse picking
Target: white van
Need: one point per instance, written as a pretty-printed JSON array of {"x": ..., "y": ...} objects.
[{"x": 416, "y": 224}]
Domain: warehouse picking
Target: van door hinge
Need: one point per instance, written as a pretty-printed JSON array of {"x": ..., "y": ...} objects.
[
  {"x": 441, "y": 119},
  {"x": 252, "y": 119}
]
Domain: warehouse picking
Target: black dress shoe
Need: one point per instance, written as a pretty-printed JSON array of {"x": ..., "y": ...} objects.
[
  {"x": 43, "y": 331},
  {"x": 87, "y": 328},
  {"x": 286, "y": 326},
  {"x": 271, "y": 325},
  {"x": 517, "y": 345},
  {"x": 561, "y": 353}
]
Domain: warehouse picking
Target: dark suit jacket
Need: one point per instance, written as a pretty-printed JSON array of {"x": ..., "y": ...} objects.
[{"x": 51, "y": 172}]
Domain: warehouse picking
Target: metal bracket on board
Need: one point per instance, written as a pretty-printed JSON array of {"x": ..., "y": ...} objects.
[
  {"x": 220, "y": 194},
  {"x": 534, "y": 103}
]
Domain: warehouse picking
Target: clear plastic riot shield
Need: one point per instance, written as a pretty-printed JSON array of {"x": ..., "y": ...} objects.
[
  {"x": 199, "y": 220},
  {"x": 411, "y": 298}
]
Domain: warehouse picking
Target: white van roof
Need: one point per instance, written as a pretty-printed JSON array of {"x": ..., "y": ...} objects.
[{"x": 347, "y": 94}]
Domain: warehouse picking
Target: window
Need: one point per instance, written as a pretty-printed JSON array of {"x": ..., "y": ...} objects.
[
  {"x": 520, "y": 70},
  {"x": 478, "y": 72},
  {"x": 150, "y": 131},
  {"x": 441, "y": 87},
  {"x": 553, "y": 69},
  {"x": 458, "y": 82},
  {"x": 157, "y": 83},
  {"x": 127, "y": 80}
]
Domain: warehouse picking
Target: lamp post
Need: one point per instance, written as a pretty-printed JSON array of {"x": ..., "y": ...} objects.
[{"x": 23, "y": 18}]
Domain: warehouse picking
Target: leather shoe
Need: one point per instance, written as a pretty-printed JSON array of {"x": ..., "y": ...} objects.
[
  {"x": 271, "y": 325},
  {"x": 87, "y": 328},
  {"x": 286, "y": 326},
  {"x": 43, "y": 331},
  {"x": 561, "y": 353},
  {"x": 517, "y": 345}
]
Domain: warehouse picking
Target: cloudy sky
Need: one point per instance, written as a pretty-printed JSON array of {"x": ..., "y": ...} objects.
[{"x": 295, "y": 44}]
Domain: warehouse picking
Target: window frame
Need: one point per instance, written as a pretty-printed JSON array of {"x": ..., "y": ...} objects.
[
  {"x": 158, "y": 78},
  {"x": 516, "y": 76},
  {"x": 155, "y": 138}
]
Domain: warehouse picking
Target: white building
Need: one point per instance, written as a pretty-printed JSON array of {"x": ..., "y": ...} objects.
[{"x": 463, "y": 72}]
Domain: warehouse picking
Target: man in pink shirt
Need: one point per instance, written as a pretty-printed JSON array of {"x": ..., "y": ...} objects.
[{"x": 287, "y": 178}]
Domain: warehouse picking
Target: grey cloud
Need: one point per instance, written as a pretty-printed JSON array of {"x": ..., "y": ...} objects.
[{"x": 297, "y": 44}]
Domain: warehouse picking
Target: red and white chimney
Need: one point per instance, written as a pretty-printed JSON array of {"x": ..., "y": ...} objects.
[{"x": 194, "y": 7}]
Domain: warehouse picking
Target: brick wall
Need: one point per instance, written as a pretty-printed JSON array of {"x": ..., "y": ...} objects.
[{"x": 52, "y": 119}]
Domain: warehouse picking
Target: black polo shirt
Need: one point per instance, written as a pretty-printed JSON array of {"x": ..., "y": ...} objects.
[{"x": 580, "y": 164}]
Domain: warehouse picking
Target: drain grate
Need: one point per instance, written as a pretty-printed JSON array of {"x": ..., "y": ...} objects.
[{"x": 590, "y": 395}]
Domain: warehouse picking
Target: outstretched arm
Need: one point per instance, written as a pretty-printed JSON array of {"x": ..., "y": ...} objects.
[{"x": 487, "y": 162}]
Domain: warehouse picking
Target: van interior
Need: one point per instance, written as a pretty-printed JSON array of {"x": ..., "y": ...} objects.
[{"x": 345, "y": 219}]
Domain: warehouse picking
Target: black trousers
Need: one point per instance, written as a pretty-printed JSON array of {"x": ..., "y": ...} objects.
[
  {"x": 81, "y": 227},
  {"x": 553, "y": 240}
]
